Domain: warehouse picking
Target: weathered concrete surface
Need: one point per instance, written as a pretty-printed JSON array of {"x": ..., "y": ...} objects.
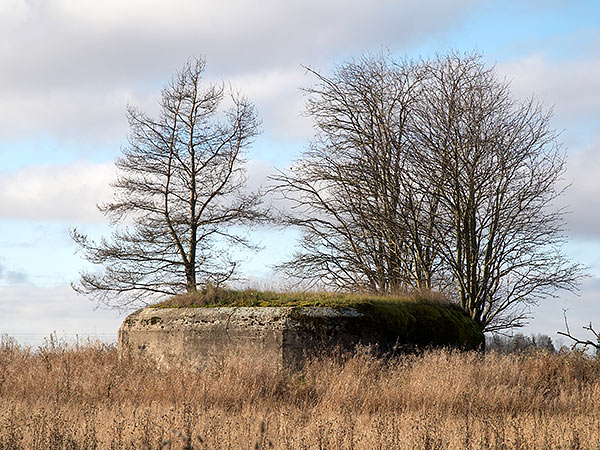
[
  {"x": 283, "y": 335},
  {"x": 286, "y": 335}
]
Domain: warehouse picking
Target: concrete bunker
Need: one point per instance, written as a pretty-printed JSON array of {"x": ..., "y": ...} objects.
[{"x": 286, "y": 335}]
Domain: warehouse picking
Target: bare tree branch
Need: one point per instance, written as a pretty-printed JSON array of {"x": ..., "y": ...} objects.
[
  {"x": 585, "y": 343},
  {"x": 351, "y": 189}
]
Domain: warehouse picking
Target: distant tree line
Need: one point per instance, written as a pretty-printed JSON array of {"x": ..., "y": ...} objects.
[{"x": 519, "y": 343}]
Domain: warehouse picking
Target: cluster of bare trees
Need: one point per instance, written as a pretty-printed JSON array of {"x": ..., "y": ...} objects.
[
  {"x": 421, "y": 175},
  {"x": 429, "y": 175}
]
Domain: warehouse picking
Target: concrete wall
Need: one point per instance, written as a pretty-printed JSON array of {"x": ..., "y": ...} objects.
[{"x": 283, "y": 335}]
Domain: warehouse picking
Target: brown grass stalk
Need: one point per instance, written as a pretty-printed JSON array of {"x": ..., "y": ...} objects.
[{"x": 84, "y": 397}]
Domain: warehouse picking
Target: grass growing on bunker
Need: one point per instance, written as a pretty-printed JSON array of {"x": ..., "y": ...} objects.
[
  {"x": 421, "y": 318},
  {"x": 212, "y": 296}
]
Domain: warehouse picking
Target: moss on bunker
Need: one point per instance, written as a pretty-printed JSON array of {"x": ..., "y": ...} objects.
[
  {"x": 420, "y": 324},
  {"x": 414, "y": 320}
]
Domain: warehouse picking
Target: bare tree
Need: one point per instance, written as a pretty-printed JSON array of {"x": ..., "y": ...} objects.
[
  {"x": 364, "y": 228},
  {"x": 180, "y": 189},
  {"x": 584, "y": 343},
  {"x": 496, "y": 163},
  {"x": 429, "y": 175}
]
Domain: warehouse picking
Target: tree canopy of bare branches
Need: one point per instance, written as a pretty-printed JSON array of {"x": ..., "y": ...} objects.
[
  {"x": 430, "y": 175},
  {"x": 180, "y": 188},
  {"x": 364, "y": 226}
]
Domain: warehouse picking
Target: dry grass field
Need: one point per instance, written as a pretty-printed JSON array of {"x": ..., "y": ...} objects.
[{"x": 84, "y": 397}]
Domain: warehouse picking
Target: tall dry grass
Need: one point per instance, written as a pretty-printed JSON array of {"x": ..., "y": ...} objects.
[{"x": 84, "y": 397}]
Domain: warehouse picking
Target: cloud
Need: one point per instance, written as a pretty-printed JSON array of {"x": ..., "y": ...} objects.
[
  {"x": 237, "y": 33},
  {"x": 582, "y": 198},
  {"x": 30, "y": 314},
  {"x": 279, "y": 100},
  {"x": 68, "y": 192},
  {"x": 70, "y": 114},
  {"x": 568, "y": 85},
  {"x": 69, "y": 66},
  {"x": 12, "y": 277}
]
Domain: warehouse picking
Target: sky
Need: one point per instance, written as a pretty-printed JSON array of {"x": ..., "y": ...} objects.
[{"x": 69, "y": 68}]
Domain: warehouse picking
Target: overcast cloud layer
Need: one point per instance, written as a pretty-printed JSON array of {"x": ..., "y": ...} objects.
[
  {"x": 74, "y": 63},
  {"x": 54, "y": 310}
]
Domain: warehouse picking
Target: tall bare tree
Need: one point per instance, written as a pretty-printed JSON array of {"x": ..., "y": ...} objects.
[
  {"x": 180, "y": 189},
  {"x": 364, "y": 226},
  {"x": 430, "y": 175},
  {"x": 495, "y": 163}
]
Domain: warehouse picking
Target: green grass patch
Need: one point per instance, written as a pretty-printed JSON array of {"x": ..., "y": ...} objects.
[
  {"x": 423, "y": 319},
  {"x": 219, "y": 297},
  {"x": 423, "y": 323}
]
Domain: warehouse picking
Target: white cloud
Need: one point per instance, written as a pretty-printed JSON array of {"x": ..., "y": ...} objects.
[
  {"x": 279, "y": 99},
  {"x": 69, "y": 66},
  {"x": 30, "y": 314},
  {"x": 570, "y": 86},
  {"x": 71, "y": 115},
  {"x": 582, "y": 198},
  {"x": 68, "y": 192}
]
